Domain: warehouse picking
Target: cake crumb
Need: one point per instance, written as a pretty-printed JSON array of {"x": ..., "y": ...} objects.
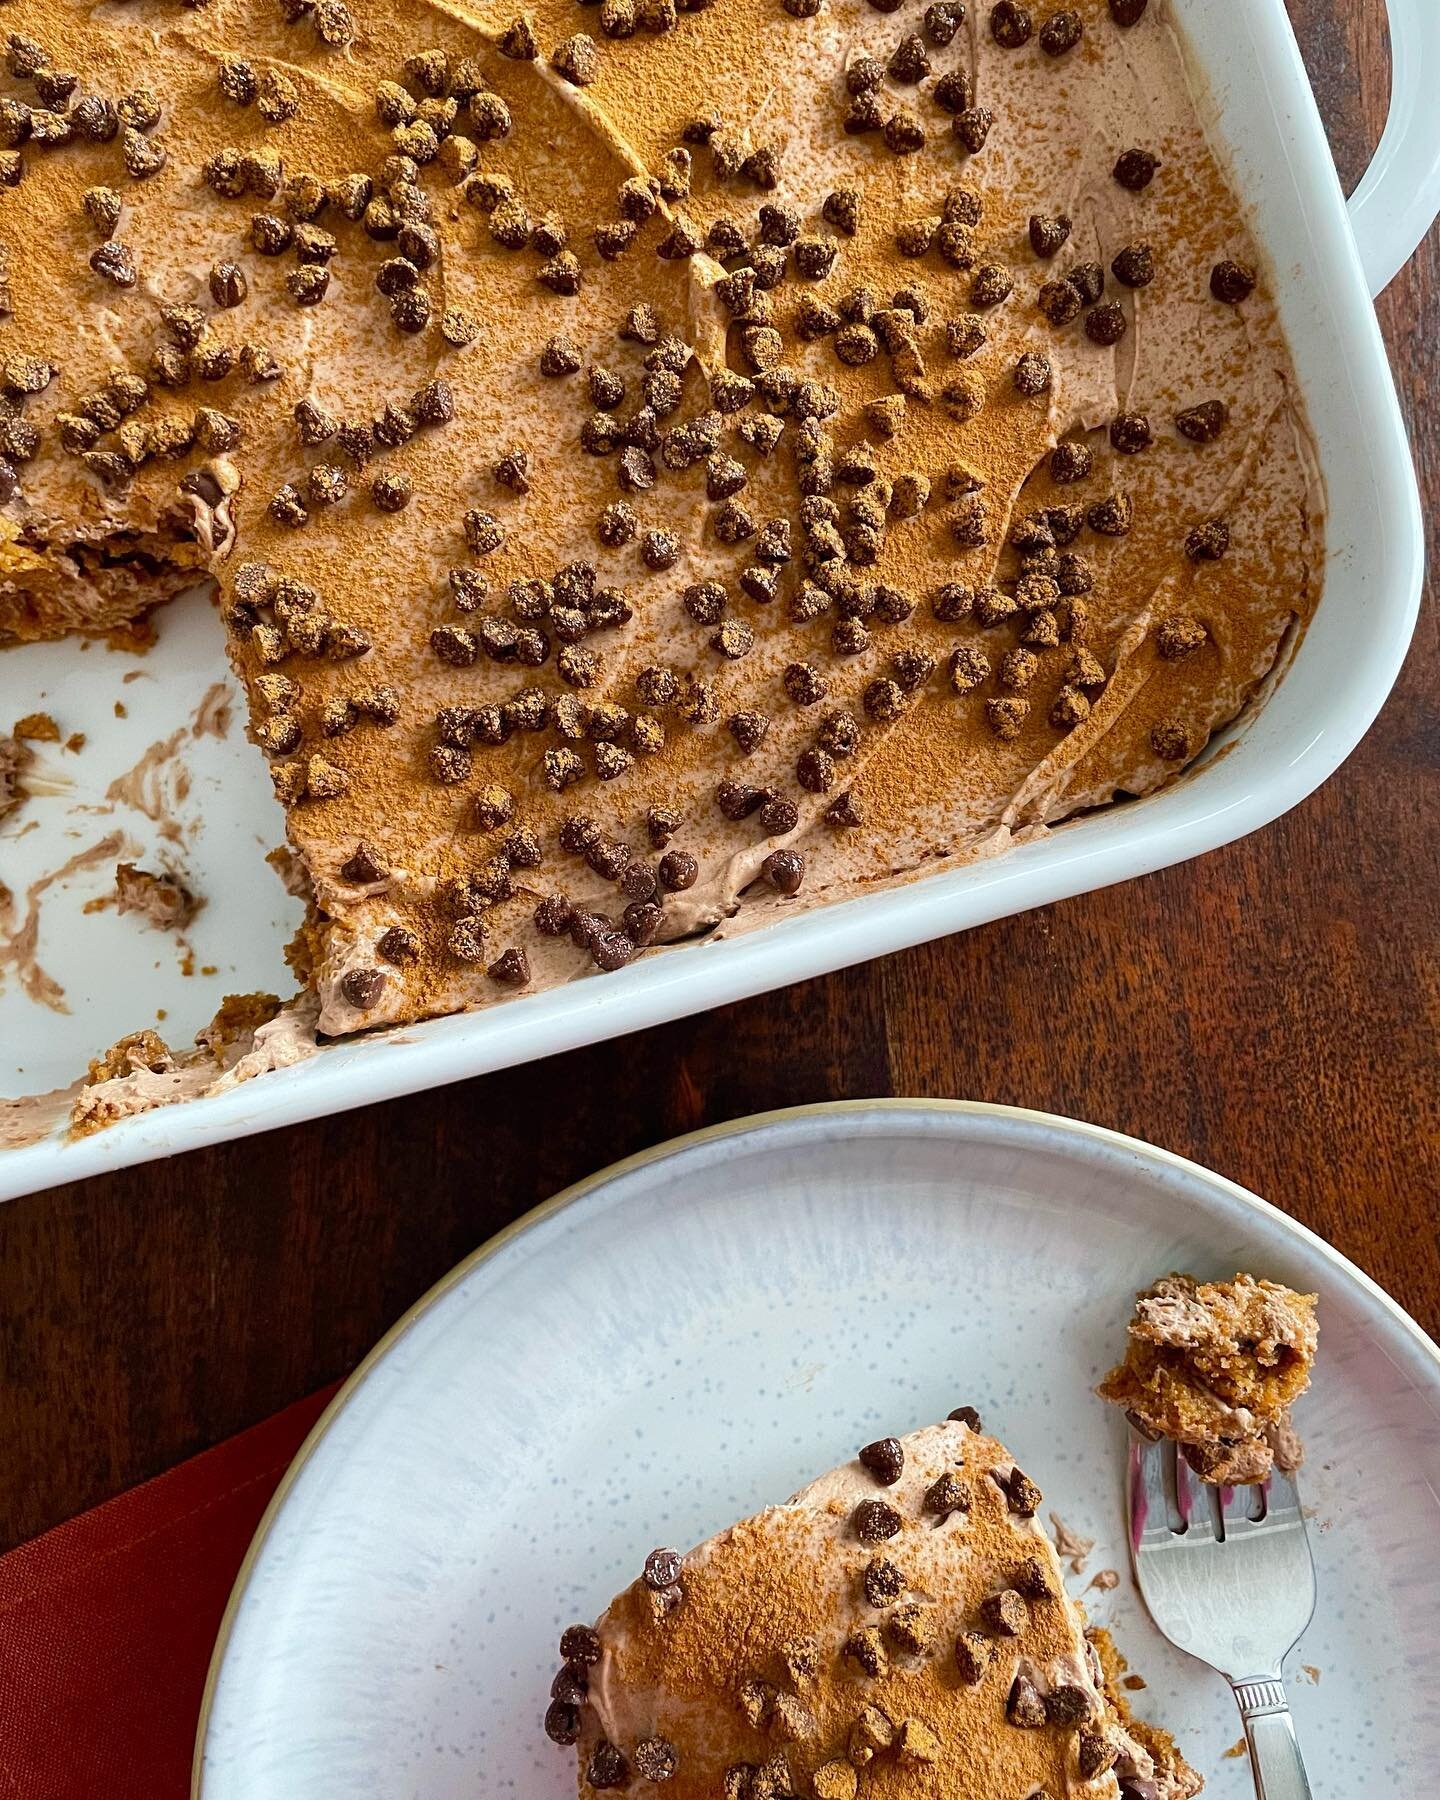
[
  {"x": 162, "y": 901},
  {"x": 137, "y": 1050},
  {"x": 1215, "y": 1366},
  {"x": 37, "y": 728},
  {"x": 15, "y": 759}
]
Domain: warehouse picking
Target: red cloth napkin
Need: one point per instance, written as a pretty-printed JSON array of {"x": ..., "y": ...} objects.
[{"x": 107, "y": 1623}]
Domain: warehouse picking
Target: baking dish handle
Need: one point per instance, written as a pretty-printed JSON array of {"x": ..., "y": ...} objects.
[{"x": 1397, "y": 201}]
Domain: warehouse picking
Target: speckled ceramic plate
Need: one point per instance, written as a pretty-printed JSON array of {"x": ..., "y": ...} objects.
[{"x": 695, "y": 1333}]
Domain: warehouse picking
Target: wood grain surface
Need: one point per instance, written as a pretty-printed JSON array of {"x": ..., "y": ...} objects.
[{"x": 1272, "y": 1010}]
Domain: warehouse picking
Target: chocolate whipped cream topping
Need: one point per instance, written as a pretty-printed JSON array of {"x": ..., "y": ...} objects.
[{"x": 662, "y": 466}]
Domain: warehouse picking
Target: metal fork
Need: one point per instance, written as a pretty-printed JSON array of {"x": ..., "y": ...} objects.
[{"x": 1227, "y": 1576}]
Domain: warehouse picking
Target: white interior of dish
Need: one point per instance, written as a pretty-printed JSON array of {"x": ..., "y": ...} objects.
[
  {"x": 701, "y": 1334},
  {"x": 1251, "y": 79}
]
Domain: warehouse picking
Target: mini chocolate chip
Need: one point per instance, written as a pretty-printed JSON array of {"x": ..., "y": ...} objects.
[
  {"x": 1208, "y": 542},
  {"x": 866, "y": 1649},
  {"x": 510, "y": 969},
  {"x": 1032, "y": 1579},
  {"x": 842, "y": 210},
  {"x": 1095, "y": 1754},
  {"x": 778, "y": 818},
  {"x": 1067, "y": 1704},
  {"x": 942, "y": 20},
  {"x": 637, "y": 881},
  {"x": 363, "y": 866},
  {"x": 784, "y": 870},
  {"x": 391, "y": 491},
  {"x": 1232, "y": 282},
  {"x": 1006, "y": 715},
  {"x": 398, "y": 945},
  {"x": 656, "y": 1759},
  {"x": 909, "y": 61},
  {"x": 611, "y": 950},
  {"x": 885, "y": 1459},
  {"x": 1024, "y": 1705},
  {"x": 947, "y": 1494},
  {"x": 911, "y": 1628},
  {"x": 572, "y": 1685},
  {"x": 1202, "y": 424},
  {"x": 1088, "y": 281},
  {"x": 965, "y": 1415},
  {"x": 228, "y": 285},
  {"x": 1112, "y": 516},
  {"x": 1128, "y": 12},
  {"x": 363, "y": 987},
  {"x": 973, "y": 1655},
  {"x": 1134, "y": 266},
  {"x": 1070, "y": 462},
  {"x": 883, "y": 1582},
  {"x": 1005, "y": 1613},
  {"x": 804, "y": 683},
  {"x": 1130, "y": 433},
  {"x": 559, "y": 357},
  {"x": 1023, "y": 1495},
  {"x": 580, "y": 1644},
  {"x": 1061, "y": 32},
  {"x": 662, "y": 1569},
  {"x": 1031, "y": 374},
  {"x": 971, "y": 128},
  {"x": 1060, "y": 301},
  {"x": 678, "y": 871},
  {"x": 562, "y": 1723},
  {"x": 554, "y": 917},
  {"x": 1010, "y": 24},
  {"x": 1170, "y": 740},
  {"x": 607, "y": 1767},
  {"x": 815, "y": 771},
  {"x": 969, "y": 668},
  {"x": 1048, "y": 236},
  {"x": 875, "y": 1521},
  {"x": 1106, "y": 324},
  {"x": 1135, "y": 169},
  {"x": 577, "y": 59},
  {"x": 116, "y": 262},
  {"x": 990, "y": 284},
  {"x": 308, "y": 283},
  {"x": 903, "y": 132}
]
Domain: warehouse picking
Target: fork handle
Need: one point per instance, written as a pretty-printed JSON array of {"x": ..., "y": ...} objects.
[{"x": 1270, "y": 1732}]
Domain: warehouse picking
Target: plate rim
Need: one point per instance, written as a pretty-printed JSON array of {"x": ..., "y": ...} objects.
[{"x": 748, "y": 1124}]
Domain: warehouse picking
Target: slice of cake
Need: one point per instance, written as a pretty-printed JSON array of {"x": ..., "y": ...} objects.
[
  {"x": 900, "y": 1627},
  {"x": 1216, "y": 1366}
]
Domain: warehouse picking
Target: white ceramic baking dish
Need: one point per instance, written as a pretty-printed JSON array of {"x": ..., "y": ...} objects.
[{"x": 1328, "y": 263}]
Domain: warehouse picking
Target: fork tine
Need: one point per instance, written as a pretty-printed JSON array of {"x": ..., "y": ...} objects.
[
  {"x": 1281, "y": 1493},
  {"x": 1148, "y": 1503},
  {"x": 1184, "y": 1492}
]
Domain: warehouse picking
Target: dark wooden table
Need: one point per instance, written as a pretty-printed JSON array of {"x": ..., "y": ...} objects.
[{"x": 1272, "y": 1011}]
